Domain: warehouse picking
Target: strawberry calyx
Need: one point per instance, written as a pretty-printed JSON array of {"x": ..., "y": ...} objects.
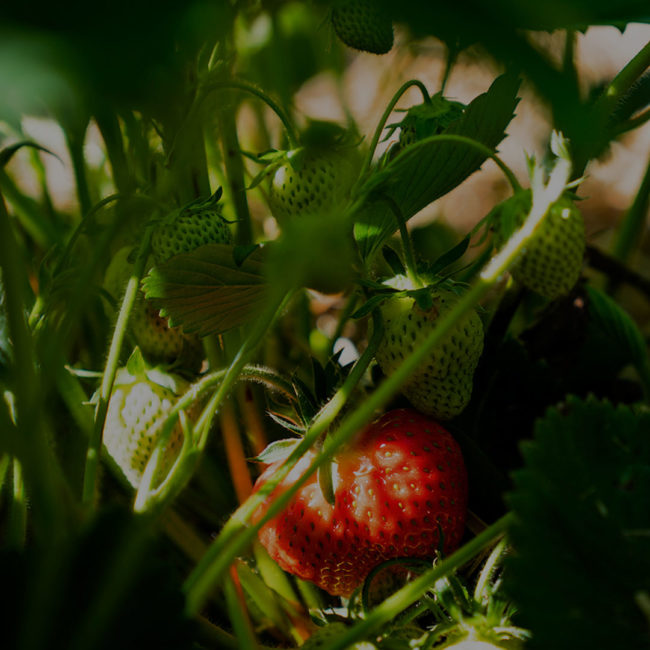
[{"x": 426, "y": 119}]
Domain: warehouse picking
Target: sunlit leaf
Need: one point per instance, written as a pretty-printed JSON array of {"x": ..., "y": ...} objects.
[{"x": 206, "y": 292}]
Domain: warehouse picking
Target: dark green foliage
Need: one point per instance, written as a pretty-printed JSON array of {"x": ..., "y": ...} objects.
[
  {"x": 108, "y": 587},
  {"x": 581, "y": 564}
]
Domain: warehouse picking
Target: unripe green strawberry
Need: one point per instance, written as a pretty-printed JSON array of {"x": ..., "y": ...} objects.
[
  {"x": 312, "y": 180},
  {"x": 139, "y": 403},
  {"x": 149, "y": 329},
  {"x": 441, "y": 386},
  {"x": 196, "y": 224},
  {"x": 428, "y": 119},
  {"x": 362, "y": 25},
  {"x": 552, "y": 260}
]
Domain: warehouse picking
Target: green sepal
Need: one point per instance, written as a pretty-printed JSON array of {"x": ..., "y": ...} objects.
[{"x": 276, "y": 451}]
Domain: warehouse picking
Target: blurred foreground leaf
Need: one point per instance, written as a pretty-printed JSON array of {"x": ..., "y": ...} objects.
[
  {"x": 109, "y": 587},
  {"x": 580, "y": 574}
]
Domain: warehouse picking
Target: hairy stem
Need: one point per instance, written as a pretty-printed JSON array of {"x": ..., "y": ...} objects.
[
  {"x": 110, "y": 370},
  {"x": 386, "y": 114}
]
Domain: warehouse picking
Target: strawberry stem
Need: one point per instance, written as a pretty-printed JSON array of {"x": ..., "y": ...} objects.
[
  {"x": 238, "y": 84},
  {"x": 407, "y": 244},
  {"x": 238, "y": 611},
  {"x": 225, "y": 379},
  {"x": 386, "y": 114},
  {"x": 235, "y": 173},
  {"x": 235, "y": 455},
  {"x": 623, "y": 81},
  {"x": 110, "y": 370}
]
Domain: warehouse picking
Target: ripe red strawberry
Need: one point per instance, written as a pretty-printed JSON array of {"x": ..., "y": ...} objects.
[
  {"x": 150, "y": 330},
  {"x": 197, "y": 224},
  {"x": 398, "y": 487},
  {"x": 442, "y": 384},
  {"x": 552, "y": 261},
  {"x": 362, "y": 25},
  {"x": 142, "y": 396}
]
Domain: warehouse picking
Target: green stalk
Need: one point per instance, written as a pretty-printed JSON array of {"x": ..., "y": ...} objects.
[
  {"x": 17, "y": 526},
  {"x": 238, "y": 613},
  {"x": 234, "y": 370},
  {"x": 407, "y": 244},
  {"x": 292, "y": 137},
  {"x": 76, "y": 149},
  {"x": 396, "y": 603},
  {"x": 109, "y": 127},
  {"x": 623, "y": 81},
  {"x": 237, "y": 534},
  {"x": 633, "y": 223},
  {"x": 235, "y": 173},
  {"x": 31, "y": 446},
  {"x": 110, "y": 370},
  {"x": 386, "y": 114},
  {"x": 150, "y": 500}
]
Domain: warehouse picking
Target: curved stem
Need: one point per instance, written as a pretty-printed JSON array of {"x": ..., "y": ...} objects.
[
  {"x": 407, "y": 244},
  {"x": 260, "y": 94},
  {"x": 110, "y": 370},
  {"x": 150, "y": 500},
  {"x": 479, "y": 146},
  {"x": 386, "y": 114}
]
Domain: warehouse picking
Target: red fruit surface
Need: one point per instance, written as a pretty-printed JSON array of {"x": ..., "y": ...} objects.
[{"x": 397, "y": 487}]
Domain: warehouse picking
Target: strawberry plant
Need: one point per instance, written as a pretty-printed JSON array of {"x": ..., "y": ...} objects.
[{"x": 325, "y": 324}]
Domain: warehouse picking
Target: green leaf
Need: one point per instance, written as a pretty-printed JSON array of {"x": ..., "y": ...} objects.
[
  {"x": 451, "y": 256},
  {"x": 617, "y": 325},
  {"x": 393, "y": 260},
  {"x": 424, "y": 172},
  {"x": 277, "y": 450},
  {"x": 581, "y": 560},
  {"x": 370, "y": 305},
  {"x": 7, "y": 153},
  {"x": 206, "y": 292}
]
